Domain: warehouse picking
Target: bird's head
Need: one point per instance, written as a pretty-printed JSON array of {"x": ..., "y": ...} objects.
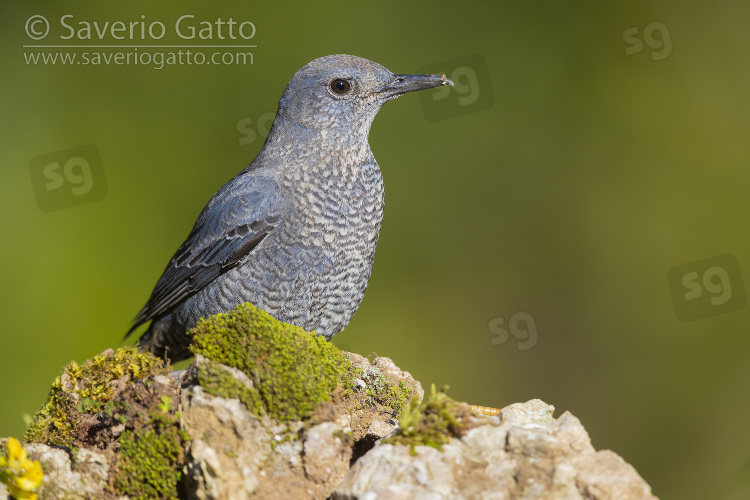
[{"x": 343, "y": 93}]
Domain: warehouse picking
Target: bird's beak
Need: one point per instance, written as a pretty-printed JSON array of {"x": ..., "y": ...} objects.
[{"x": 402, "y": 84}]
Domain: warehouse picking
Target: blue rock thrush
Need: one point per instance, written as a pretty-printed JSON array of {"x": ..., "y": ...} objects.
[{"x": 295, "y": 232}]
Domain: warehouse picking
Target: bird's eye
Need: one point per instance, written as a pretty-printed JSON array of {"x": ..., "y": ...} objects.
[{"x": 340, "y": 86}]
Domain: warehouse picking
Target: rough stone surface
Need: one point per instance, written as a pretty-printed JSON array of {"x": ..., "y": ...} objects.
[
  {"x": 231, "y": 452},
  {"x": 235, "y": 455},
  {"x": 227, "y": 449},
  {"x": 86, "y": 479},
  {"x": 368, "y": 426},
  {"x": 528, "y": 455}
]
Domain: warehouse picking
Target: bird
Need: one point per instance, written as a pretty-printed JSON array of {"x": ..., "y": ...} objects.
[{"x": 295, "y": 232}]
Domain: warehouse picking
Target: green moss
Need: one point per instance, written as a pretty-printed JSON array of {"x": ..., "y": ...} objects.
[
  {"x": 382, "y": 395},
  {"x": 52, "y": 423},
  {"x": 118, "y": 387},
  {"x": 84, "y": 389},
  {"x": 292, "y": 370},
  {"x": 433, "y": 422},
  {"x": 149, "y": 461},
  {"x": 217, "y": 380},
  {"x": 150, "y": 456},
  {"x": 398, "y": 396}
]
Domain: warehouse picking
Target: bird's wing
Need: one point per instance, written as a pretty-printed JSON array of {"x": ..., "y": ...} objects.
[{"x": 232, "y": 224}]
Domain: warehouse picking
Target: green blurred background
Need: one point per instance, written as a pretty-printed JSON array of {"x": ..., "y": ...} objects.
[{"x": 605, "y": 146}]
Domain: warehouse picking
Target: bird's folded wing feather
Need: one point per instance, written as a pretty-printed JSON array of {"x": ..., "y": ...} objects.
[{"x": 231, "y": 225}]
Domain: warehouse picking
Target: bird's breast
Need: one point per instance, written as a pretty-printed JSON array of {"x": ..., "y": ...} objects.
[{"x": 338, "y": 206}]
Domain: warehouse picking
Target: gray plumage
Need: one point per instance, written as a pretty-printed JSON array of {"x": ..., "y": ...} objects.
[{"x": 295, "y": 232}]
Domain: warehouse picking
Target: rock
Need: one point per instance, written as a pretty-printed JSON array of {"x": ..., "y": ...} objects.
[
  {"x": 227, "y": 428},
  {"x": 86, "y": 479},
  {"x": 532, "y": 412},
  {"x": 528, "y": 455},
  {"x": 370, "y": 424},
  {"x": 396, "y": 376},
  {"x": 326, "y": 453},
  {"x": 235, "y": 455},
  {"x": 227, "y": 448},
  {"x": 604, "y": 474}
]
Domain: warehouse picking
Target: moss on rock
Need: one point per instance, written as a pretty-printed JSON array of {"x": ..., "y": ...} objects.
[
  {"x": 433, "y": 422},
  {"x": 292, "y": 370},
  {"x": 218, "y": 379},
  {"x": 82, "y": 390},
  {"x": 150, "y": 459},
  {"x": 119, "y": 402},
  {"x": 382, "y": 394},
  {"x": 150, "y": 454}
]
